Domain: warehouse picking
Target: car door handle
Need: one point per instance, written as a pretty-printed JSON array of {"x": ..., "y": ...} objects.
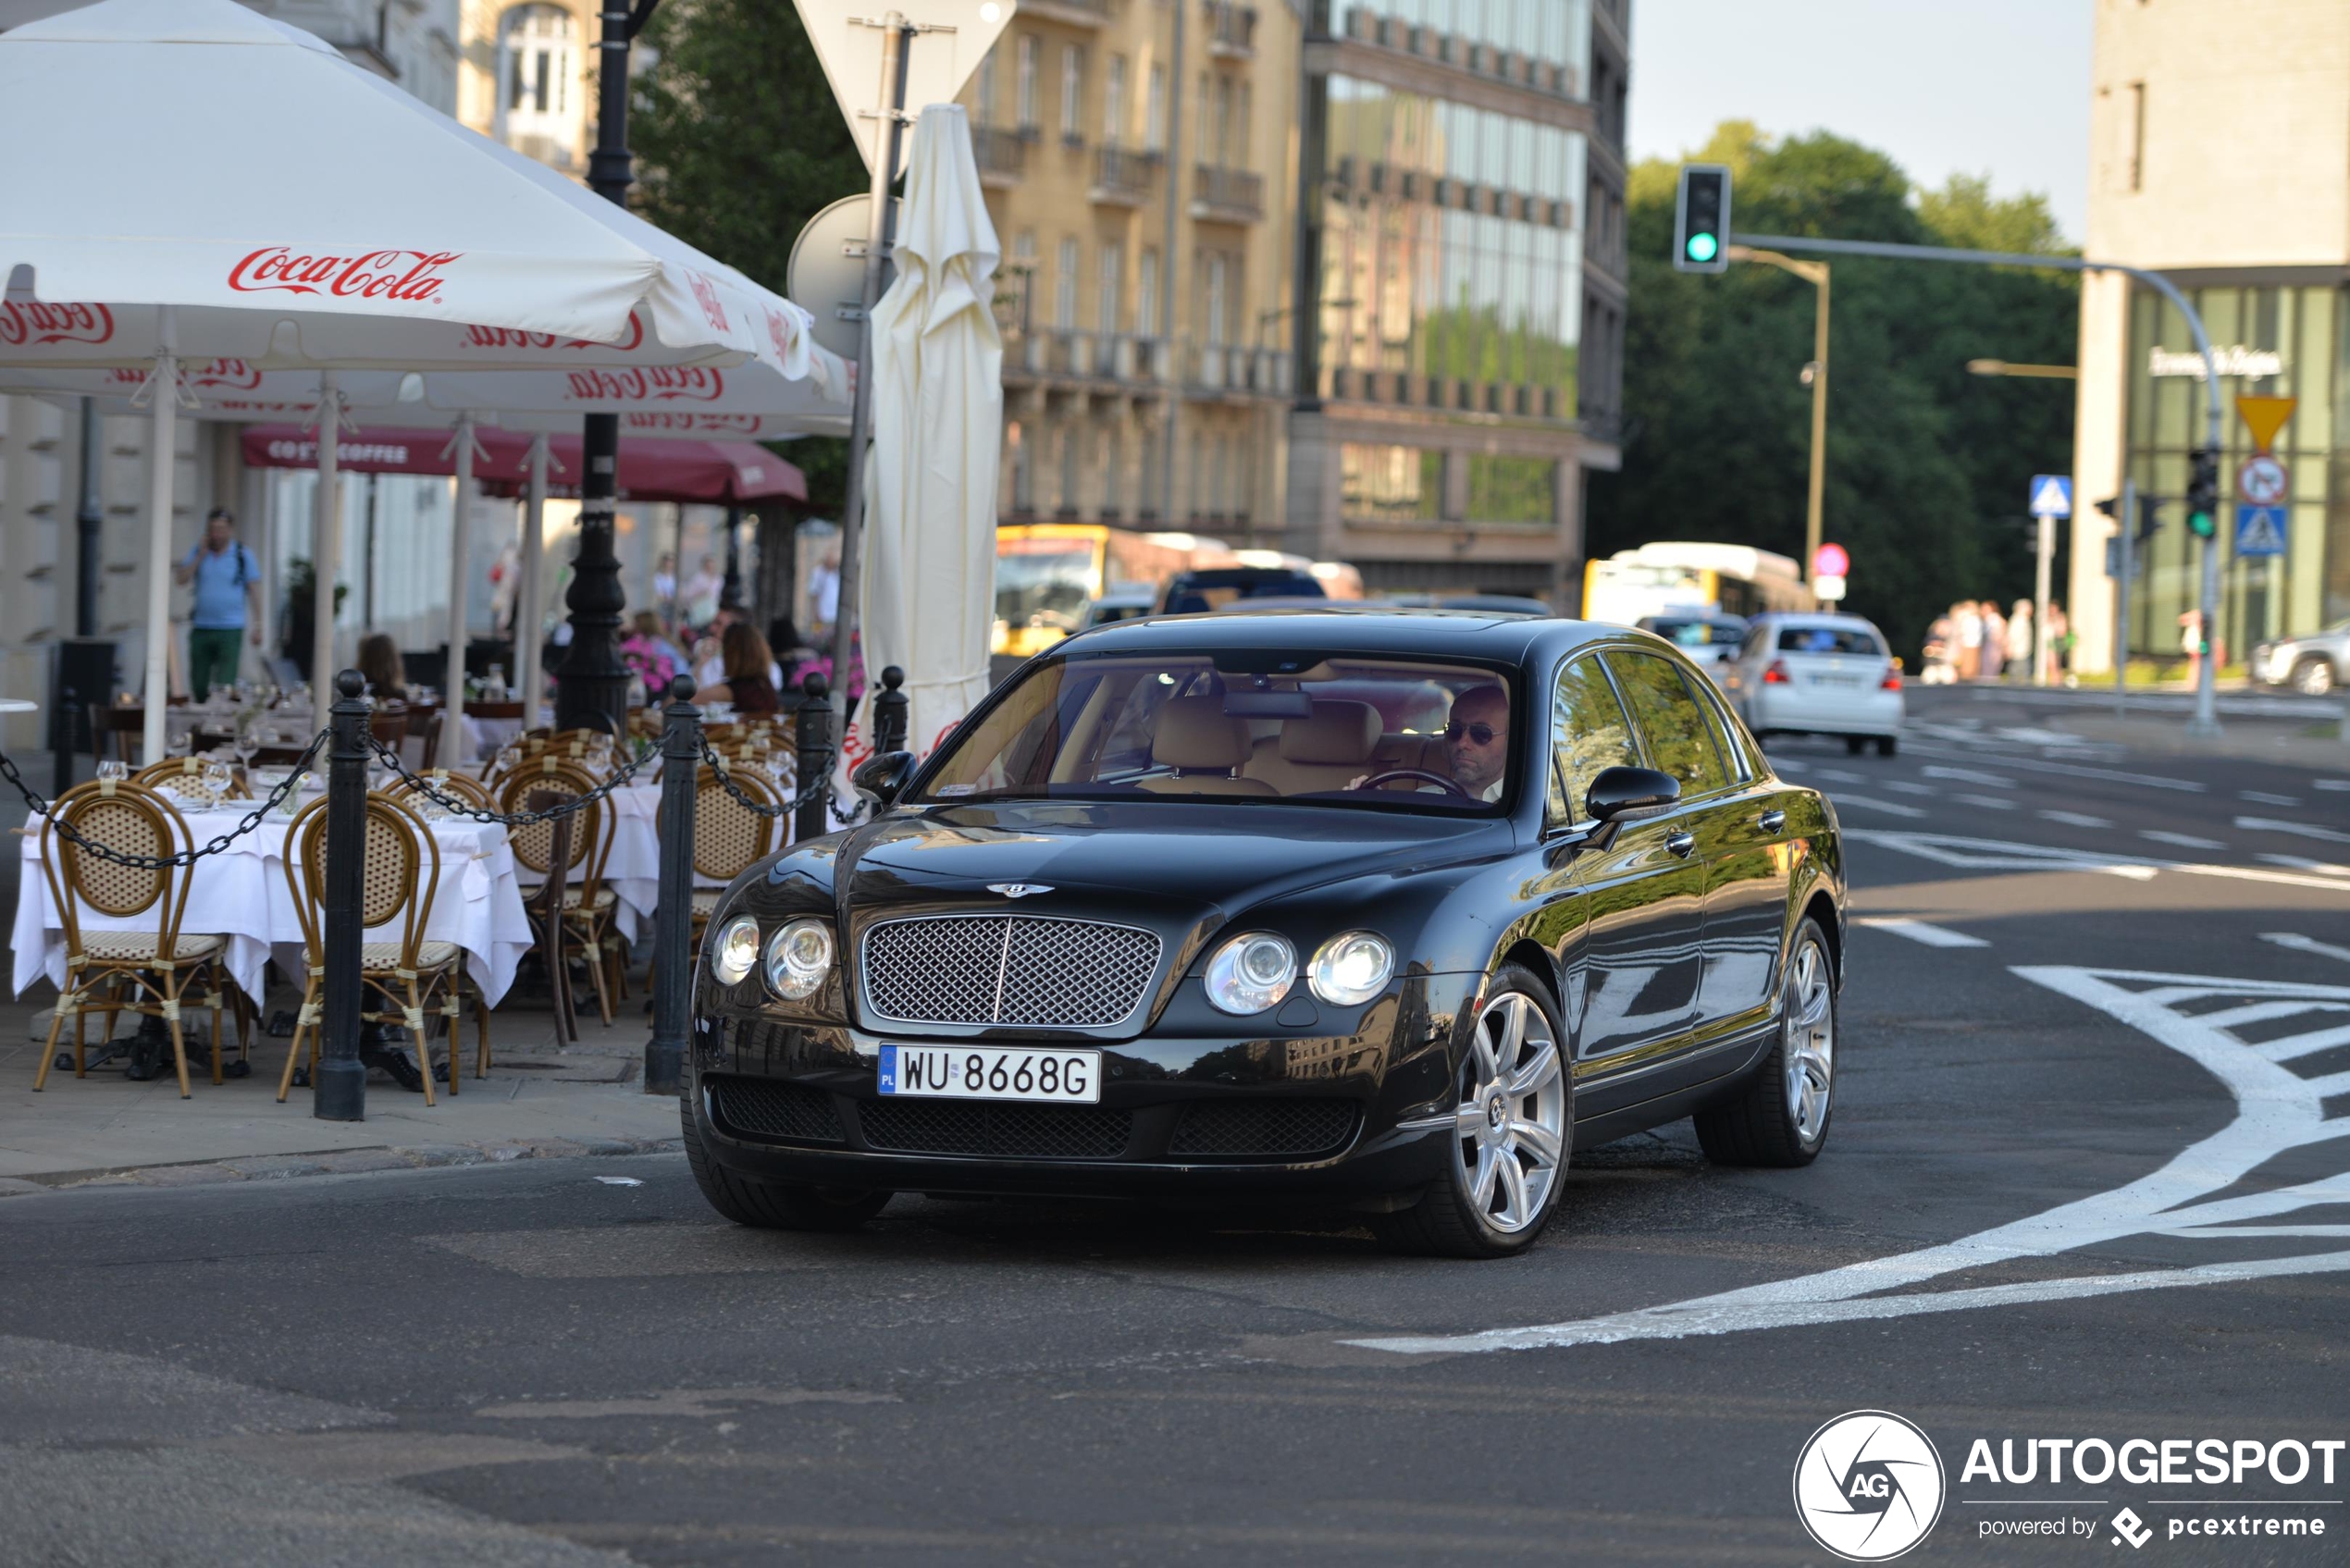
[
  {"x": 1771, "y": 821},
  {"x": 1681, "y": 844}
]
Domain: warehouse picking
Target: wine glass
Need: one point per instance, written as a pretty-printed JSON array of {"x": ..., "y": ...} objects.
[{"x": 215, "y": 782}]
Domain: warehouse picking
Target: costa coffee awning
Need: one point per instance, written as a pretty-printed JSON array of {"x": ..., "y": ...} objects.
[{"x": 719, "y": 473}]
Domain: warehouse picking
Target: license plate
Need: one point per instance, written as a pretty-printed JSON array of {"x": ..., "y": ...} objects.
[
  {"x": 1836, "y": 680},
  {"x": 993, "y": 1072}
]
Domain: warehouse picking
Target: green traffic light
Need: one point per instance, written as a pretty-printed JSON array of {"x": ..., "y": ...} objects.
[
  {"x": 2199, "y": 524},
  {"x": 1702, "y": 247}
]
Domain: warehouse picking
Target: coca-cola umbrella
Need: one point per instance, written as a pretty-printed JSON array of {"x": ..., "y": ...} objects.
[
  {"x": 381, "y": 219},
  {"x": 688, "y": 472}
]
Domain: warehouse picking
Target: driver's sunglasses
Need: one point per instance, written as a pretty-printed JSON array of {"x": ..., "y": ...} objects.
[{"x": 1481, "y": 734}]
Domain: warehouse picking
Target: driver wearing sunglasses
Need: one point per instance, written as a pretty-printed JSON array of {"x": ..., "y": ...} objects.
[{"x": 1476, "y": 740}]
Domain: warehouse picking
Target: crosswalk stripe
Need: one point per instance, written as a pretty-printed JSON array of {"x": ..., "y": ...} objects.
[
  {"x": 2077, "y": 818},
  {"x": 2184, "y": 840},
  {"x": 2298, "y": 830},
  {"x": 1919, "y": 931}
]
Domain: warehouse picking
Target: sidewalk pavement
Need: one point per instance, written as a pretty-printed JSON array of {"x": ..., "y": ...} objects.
[{"x": 537, "y": 1101}]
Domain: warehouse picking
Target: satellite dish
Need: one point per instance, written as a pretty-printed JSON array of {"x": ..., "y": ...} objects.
[{"x": 826, "y": 276}]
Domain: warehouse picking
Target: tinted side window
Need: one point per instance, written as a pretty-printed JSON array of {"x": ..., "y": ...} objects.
[
  {"x": 1669, "y": 715},
  {"x": 1589, "y": 734}
]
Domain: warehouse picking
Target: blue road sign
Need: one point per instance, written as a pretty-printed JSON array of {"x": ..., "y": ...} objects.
[
  {"x": 2051, "y": 494},
  {"x": 2260, "y": 530}
]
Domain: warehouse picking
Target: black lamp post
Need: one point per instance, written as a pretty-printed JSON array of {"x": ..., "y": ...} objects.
[{"x": 591, "y": 688}]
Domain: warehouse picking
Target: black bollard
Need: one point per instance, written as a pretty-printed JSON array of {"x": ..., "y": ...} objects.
[
  {"x": 673, "y": 916},
  {"x": 814, "y": 764},
  {"x": 340, "y": 1089},
  {"x": 890, "y": 705}
]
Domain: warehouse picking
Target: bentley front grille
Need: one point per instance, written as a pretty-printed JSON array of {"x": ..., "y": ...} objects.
[{"x": 1016, "y": 970}]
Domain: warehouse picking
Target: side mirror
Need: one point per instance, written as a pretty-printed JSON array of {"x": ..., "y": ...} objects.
[
  {"x": 885, "y": 776},
  {"x": 1623, "y": 791}
]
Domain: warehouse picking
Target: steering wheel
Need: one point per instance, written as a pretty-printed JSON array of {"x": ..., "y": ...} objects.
[{"x": 1451, "y": 786}]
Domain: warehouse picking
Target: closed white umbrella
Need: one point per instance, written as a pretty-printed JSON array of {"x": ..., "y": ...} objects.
[
  {"x": 928, "y": 586},
  {"x": 199, "y": 156}
]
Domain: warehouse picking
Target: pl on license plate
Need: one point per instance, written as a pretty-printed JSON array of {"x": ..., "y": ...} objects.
[{"x": 993, "y": 1072}]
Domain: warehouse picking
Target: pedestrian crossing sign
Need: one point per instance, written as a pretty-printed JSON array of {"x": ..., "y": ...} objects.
[
  {"x": 2051, "y": 494},
  {"x": 2260, "y": 530}
]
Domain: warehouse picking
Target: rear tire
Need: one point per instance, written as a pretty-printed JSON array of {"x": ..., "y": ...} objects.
[
  {"x": 2313, "y": 678},
  {"x": 1515, "y": 1060},
  {"x": 773, "y": 1206},
  {"x": 1775, "y": 1119},
  {"x": 1856, "y": 743},
  {"x": 1886, "y": 745}
]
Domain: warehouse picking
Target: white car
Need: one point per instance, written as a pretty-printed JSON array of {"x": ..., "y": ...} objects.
[{"x": 1820, "y": 675}]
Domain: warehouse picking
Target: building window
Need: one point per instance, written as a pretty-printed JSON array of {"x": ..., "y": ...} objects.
[
  {"x": 1024, "y": 480},
  {"x": 1072, "y": 92},
  {"x": 1146, "y": 297},
  {"x": 1213, "y": 328},
  {"x": 985, "y": 99},
  {"x": 1224, "y": 122},
  {"x": 1070, "y": 454},
  {"x": 1114, "y": 104},
  {"x": 1390, "y": 483},
  {"x": 1024, "y": 83},
  {"x": 1113, "y": 477},
  {"x": 1511, "y": 489},
  {"x": 1155, "y": 112},
  {"x": 1111, "y": 298},
  {"x": 1064, "y": 288},
  {"x": 541, "y": 50},
  {"x": 1204, "y": 138},
  {"x": 2137, "y": 139}
]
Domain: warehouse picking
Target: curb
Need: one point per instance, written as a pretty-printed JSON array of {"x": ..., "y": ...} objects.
[{"x": 335, "y": 1162}]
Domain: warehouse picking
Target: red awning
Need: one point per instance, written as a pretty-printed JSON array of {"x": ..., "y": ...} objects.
[{"x": 722, "y": 472}]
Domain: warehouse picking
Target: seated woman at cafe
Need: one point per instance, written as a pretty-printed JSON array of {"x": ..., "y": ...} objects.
[
  {"x": 746, "y": 686},
  {"x": 380, "y": 666}
]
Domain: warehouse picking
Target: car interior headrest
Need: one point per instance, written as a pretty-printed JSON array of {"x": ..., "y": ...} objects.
[
  {"x": 1338, "y": 732},
  {"x": 1194, "y": 732}
]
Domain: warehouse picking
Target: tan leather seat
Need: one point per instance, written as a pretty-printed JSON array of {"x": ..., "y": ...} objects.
[
  {"x": 1330, "y": 751},
  {"x": 1203, "y": 744}
]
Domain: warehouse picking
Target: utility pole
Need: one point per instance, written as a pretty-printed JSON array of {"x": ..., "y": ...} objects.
[
  {"x": 592, "y": 689},
  {"x": 1815, "y": 274}
]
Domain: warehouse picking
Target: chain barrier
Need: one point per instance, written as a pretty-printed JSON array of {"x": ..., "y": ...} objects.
[
  {"x": 808, "y": 792},
  {"x": 456, "y": 806},
  {"x": 217, "y": 844}
]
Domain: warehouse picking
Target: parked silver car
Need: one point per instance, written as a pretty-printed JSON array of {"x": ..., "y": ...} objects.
[{"x": 2313, "y": 665}]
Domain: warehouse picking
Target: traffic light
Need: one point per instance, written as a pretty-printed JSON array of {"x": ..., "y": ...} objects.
[
  {"x": 1702, "y": 219},
  {"x": 2203, "y": 494},
  {"x": 2149, "y": 517}
]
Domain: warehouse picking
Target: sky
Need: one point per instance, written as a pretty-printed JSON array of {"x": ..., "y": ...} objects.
[{"x": 1995, "y": 87}]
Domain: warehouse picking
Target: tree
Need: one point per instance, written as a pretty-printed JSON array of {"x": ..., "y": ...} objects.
[
  {"x": 1926, "y": 464},
  {"x": 739, "y": 143}
]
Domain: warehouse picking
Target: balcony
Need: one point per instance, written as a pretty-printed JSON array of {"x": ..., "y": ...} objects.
[
  {"x": 1074, "y": 13},
  {"x": 1231, "y": 31},
  {"x": 1002, "y": 155},
  {"x": 1122, "y": 177},
  {"x": 1226, "y": 195},
  {"x": 1071, "y": 359},
  {"x": 1225, "y": 369}
]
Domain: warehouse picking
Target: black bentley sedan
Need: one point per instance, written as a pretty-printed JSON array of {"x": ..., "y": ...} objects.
[{"x": 1392, "y": 908}]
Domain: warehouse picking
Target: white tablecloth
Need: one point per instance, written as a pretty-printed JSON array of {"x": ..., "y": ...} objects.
[{"x": 242, "y": 895}]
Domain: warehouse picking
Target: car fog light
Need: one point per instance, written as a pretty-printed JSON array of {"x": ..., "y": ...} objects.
[
  {"x": 737, "y": 950},
  {"x": 1252, "y": 972},
  {"x": 1351, "y": 967},
  {"x": 798, "y": 958}
]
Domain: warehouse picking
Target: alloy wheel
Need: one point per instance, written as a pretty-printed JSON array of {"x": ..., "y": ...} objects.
[
  {"x": 2315, "y": 678},
  {"x": 1810, "y": 1042},
  {"x": 1511, "y": 1119}
]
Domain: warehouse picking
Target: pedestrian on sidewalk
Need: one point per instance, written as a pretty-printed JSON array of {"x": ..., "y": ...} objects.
[
  {"x": 1994, "y": 640},
  {"x": 228, "y": 606},
  {"x": 2019, "y": 648},
  {"x": 1967, "y": 617}
]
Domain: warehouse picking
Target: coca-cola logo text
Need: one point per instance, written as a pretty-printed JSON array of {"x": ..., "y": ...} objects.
[
  {"x": 674, "y": 384},
  {"x": 706, "y": 295},
  {"x": 780, "y": 334},
  {"x": 32, "y": 321},
  {"x": 506, "y": 337},
  {"x": 233, "y": 374},
  {"x": 696, "y": 423},
  {"x": 377, "y": 274}
]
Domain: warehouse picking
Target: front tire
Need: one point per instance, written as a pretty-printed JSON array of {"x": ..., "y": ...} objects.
[
  {"x": 1512, "y": 1126},
  {"x": 1779, "y": 1116},
  {"x": 773, "y": 1206},
  {"x": 2313, "y": 678},
  {"x": 1855, "y": 745},
  {"x": 1888, "y": 744}
]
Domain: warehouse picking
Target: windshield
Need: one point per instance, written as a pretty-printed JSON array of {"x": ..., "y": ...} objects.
[
  {"x": 1264, "y": 725},
  {"x": 1053, "y": 585},
  {"x": 1195, "y": 592},
  {"x": 1830, "y": 640},
  {"x": 1696, "y": 633}
]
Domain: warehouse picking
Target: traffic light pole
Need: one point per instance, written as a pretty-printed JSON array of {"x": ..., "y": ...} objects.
[
  {"x": 1815, "y": 274},
  {"x": 2123, "y": 552},
  {"x": 2206, "y": 721}
]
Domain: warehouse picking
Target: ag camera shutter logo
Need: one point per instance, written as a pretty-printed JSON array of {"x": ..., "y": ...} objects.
[{"x": 1868, "y": 1486}]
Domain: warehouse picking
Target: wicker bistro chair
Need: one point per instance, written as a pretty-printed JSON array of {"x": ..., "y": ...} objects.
[
  {"x": 590, "y": 910},
  {"x": 728, "y": 836},
  {"x": 186, "y": 775},
  {"x": 151, "y": 972},
  {"x": 401, "y": 871},
  {"x": 456, "y": 786}
]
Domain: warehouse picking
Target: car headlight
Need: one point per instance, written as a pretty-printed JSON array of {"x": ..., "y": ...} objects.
[
  {"x": 1252, "y": 972},
  {"x": 737, "y": 950},
  {"x": 799, "y": 956},
  {"x": 1351, "y": 967}
]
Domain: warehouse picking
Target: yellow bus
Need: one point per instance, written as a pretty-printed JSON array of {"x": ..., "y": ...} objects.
[
  {"x": 1046, "y": 573},
  {"x": 1672, "y": 578}
]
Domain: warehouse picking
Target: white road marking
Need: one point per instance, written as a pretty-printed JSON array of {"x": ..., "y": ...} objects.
[
  {"x": 1968, "y": 775},
  {"x": 2303, "y": 863},
  {"x": 1890, "y": 807},
  {"x": 2336, "y": 785},
  {"x": 1919, "y": 931},
  {"x": 1898, "y": 787},
  {"x": 1838, "y": 775},
  {"x": 2077, "y": 818},
  {"x": 2301, "y": 944},
  {"x": 620, "y": 1182},
  {"x": 1997, "y": 855},
  {"x": 2259, "y": 799},
  {"x": 2075, "y": 769},
  {"x": 1988, "y": 802},
  {"x": 2277, "y": 1110},
  {"x": 2184, "y": 840},
  {"x": 2298, "y": 830}
]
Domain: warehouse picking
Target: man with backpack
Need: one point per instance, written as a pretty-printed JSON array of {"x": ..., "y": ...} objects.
[{"x": 227, "y": 607}]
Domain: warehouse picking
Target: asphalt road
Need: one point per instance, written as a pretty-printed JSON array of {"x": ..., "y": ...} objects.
[{"x": 2081, "y": 1064}]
